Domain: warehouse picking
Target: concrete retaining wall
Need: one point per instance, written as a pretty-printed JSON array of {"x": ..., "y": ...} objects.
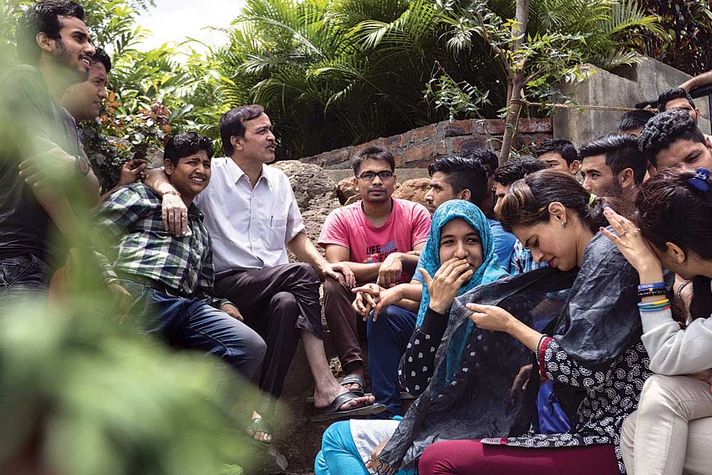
[{"x": 642, "y": 82}]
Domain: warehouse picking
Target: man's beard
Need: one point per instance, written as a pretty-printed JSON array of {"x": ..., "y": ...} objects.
[
  {"x": 615, "y": 190},
  {"x": 63, "y": 59}
]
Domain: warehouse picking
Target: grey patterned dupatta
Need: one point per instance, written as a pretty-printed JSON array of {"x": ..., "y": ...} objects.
[{"x": 597, "y": 322}]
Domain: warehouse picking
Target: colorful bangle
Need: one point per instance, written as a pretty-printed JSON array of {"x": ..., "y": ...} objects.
[
  {"x": 668, "y": 307},
  {"x": 652, "y": 285},
  {"x": 538, "y": 344},
  {"x": 653, "y": 307},
  {"x": 663, "y": 304},
  {"x": 657, "y": 302}
]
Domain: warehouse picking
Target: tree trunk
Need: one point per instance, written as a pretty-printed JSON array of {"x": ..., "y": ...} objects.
[
  {"x": 514, "y": 107},
  {"x": 516, "y": 82}
]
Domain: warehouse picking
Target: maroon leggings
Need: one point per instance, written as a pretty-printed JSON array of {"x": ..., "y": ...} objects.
[{"x": 471, "y": 457}]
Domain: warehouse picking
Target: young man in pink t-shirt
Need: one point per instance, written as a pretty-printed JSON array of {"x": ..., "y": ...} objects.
[{"x": 379, "y": 238}]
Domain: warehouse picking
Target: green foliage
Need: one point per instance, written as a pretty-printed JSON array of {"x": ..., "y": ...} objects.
[
  {"x": 340, "y": 72},
  {"x": 103, "y": 400},
  {"x": 458, "y": 98},
  {"x": 561, "y": 35},
  {"x": 687, "y": 44},
  {"x": 85, "y": 392}
]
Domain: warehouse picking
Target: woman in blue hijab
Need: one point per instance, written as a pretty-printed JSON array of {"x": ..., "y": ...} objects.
[
  {"x": 439, "y": 244},
  {"x": 458, "y": 257}
]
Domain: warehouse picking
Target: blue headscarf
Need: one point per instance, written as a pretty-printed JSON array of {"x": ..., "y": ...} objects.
[{"x": 488, "y": 272}]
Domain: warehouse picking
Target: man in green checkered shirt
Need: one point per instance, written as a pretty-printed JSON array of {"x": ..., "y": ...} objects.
[{"x": 168, "y": 280}]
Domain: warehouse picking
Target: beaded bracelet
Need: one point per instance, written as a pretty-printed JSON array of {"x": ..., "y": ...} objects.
[
  {"x": 651, "y": 290},
  {"x": 651, "y": 293}
]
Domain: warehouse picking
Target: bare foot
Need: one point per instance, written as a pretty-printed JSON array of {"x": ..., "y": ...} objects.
[
  {"x": 258, "y": 429},
  {"x": 354, "y": 386}
]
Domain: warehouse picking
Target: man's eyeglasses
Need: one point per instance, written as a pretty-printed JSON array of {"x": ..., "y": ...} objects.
[{"x": 370, "y": 176}]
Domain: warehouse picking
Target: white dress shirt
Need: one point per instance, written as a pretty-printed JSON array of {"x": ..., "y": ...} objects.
[{"x": 249, "y": 226}]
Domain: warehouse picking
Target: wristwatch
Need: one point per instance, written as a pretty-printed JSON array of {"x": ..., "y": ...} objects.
[{"x": 82, "y": 165}]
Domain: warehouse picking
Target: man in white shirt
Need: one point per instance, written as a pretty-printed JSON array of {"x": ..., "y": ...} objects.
[{"x": 253, "y": 218}]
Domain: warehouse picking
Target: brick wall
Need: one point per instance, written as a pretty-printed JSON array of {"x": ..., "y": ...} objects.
[{"x": 418, "y": 147}]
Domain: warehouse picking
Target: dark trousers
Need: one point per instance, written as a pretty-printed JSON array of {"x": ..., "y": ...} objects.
[
  {"x": 193, "y": 324},
  {"x": 278, "y": 303},
  {"x": 22, "y": 278},
  {"x": 343, "y": 323},
  {"x": 387, "y": 338}
]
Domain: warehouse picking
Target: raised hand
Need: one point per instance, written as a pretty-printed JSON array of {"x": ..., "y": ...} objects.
[
  {"x": 633, "y": 246},
  {"x": 446, "y": 282}
]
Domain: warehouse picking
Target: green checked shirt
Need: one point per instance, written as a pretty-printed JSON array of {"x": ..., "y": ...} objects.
[{"x": 138, "y": 244}]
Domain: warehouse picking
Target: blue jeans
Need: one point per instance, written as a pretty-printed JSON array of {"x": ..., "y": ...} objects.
[
  {"x": 339, "y": 455},
  {"x": 387, "y": 340},
  {"x": 23, "y": 277},
  {"x": 193, "y": 324}
]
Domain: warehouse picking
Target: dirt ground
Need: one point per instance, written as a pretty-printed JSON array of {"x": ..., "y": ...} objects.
[{"x": 296, "y": 437}]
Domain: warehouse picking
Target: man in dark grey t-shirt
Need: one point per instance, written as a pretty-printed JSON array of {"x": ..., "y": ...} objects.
[{"x": 40, "y": 143}]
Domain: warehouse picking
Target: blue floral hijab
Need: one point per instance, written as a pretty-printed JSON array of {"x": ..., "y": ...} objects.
[{"x": 488, "y": 272}]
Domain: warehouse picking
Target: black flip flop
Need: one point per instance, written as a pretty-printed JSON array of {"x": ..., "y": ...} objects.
[
  {"x": 353, "y": 379},
  {"x": 332, "y": 412},
  {"x": 256, "y": 425}
]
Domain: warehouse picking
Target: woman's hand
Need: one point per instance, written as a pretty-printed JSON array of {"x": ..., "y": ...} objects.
[
  {"x": 490, "y": 317},
  {"x": 374, "y": 463},
  {"x": 446, "y": 282},
  {"x": 633, "y": 247}
]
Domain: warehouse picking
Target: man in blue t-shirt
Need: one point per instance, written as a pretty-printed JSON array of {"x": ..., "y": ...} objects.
[{"x": 466, "y": 178}]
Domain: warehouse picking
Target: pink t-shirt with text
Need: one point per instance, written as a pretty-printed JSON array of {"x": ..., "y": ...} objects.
[{"x": 407, "y": 226}]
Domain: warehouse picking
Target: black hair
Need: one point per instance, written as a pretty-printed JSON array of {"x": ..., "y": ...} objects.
[
  {"x": 516, "y": 169},
  {"x": 462, "y": 174},
  {"x": 670, "y": 209},
  {"x": 100, "y": 56},
  {"x": 184, "y": 145},
  {"x": 664, "y": 129},
  {"x": 561, "y": 146},
  {"x": 374, "y": 152},
  {"x": 527, "y": 201},
  {"x": 485, "y": 157},
  {"x": 675, "y": 93},
  {"x": 634, "y": 120},
  {"x": 621, "y": 152},
  {"x": 42, "y": 17},
  {"x": 232, "y": 124}
]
